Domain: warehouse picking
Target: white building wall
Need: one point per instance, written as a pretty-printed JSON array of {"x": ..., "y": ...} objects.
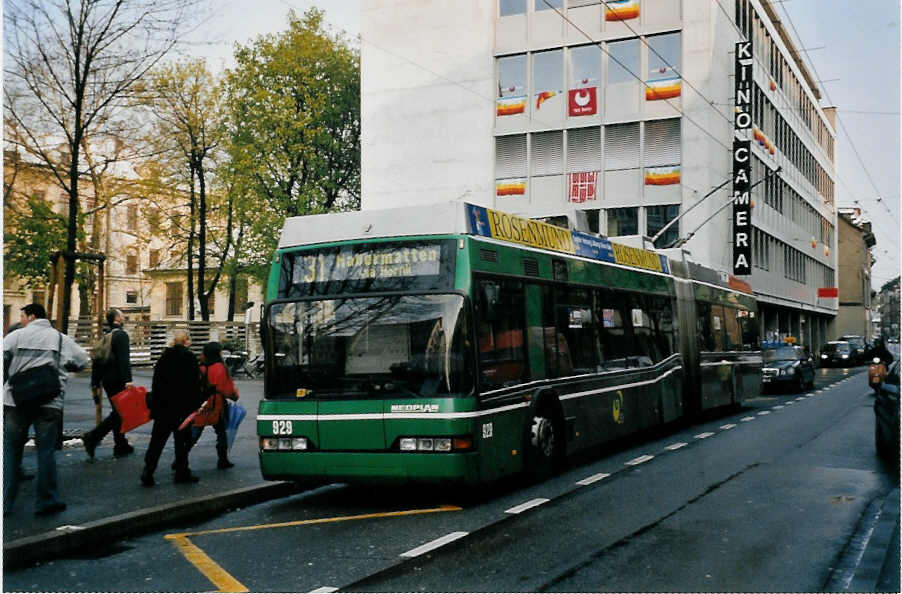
[
  {"x": 427, "y": 102},
  {"x": 429, "y": 126}
]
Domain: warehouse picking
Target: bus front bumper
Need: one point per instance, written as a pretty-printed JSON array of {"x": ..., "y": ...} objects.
[{"x": 372, "y": 467}]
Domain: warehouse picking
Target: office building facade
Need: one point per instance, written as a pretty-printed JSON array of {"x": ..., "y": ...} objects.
[{"x": 623, "y": 110}]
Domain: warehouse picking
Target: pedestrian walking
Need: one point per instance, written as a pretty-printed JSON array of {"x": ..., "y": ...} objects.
[
  {"x": 112, "y": 369},
  {"x": 176, "y": 394},
  {"x": 31, "y": 397},
  {"x": 217, "y": 385}
]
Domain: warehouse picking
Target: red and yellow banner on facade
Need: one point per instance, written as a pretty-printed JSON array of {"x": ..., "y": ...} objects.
[
  {"x": 662, "y": 176},
  {"x": 510, "y": 105},
  {"x": 621, "y": 10},
  {"x": 667, "y": 88},
  {"x": 510, "y": 187}
]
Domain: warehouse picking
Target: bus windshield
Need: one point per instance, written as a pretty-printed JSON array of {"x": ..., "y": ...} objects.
[{"x": 369, "y": 347}]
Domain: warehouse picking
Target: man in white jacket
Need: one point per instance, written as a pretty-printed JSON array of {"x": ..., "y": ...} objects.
[{"x": 34, "y": 345}]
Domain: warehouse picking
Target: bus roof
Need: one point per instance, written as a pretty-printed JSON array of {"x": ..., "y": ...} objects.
[
  {"x": 461, "y": 218},
  {"x": 444, "y": 218}
]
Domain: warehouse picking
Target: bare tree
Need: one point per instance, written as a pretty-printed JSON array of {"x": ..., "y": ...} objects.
[
  {"x": 188, "y": 128},
  {"x": 69, "y": 66}
]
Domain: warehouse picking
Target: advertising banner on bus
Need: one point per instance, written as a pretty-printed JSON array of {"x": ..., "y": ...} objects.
[{"x": 507, "y": 227}]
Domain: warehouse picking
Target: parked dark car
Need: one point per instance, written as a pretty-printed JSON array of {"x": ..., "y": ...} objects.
[
  {"x": 859, "y": 347},
  {"x": 786, "y": 366},
  {"x": 837, "y": 354},
  {"x": 886, "y": 413}
]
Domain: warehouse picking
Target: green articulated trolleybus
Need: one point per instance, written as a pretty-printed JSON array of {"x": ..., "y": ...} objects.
[{"x": 458, "y": 343}]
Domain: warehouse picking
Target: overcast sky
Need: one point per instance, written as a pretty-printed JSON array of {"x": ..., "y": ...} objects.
[{"x": 854, "y": 48}]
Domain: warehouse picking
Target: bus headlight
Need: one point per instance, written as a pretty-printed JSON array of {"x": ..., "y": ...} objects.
[
  {"x": 283, "y": 444},
  {"x": 435, "y": 444}
]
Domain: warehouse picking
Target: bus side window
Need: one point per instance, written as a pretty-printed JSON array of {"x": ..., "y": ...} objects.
[
  {"x": 733, "y": 332},
  {"x": 616, "y": 329},
  {"x": 502, "y": 350},
  {"x": 570, "y": 333}
]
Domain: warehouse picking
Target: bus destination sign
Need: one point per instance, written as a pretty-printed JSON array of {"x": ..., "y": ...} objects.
[
  {"x": 498, "y": 225},
  {"x": 370, "y": 263}
]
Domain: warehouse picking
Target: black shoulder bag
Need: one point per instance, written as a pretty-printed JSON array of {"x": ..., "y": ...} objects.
[{"x": 36, "y": 386}]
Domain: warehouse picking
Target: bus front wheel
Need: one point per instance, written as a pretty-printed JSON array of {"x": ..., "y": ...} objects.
[{"x": 545, "y": 443}]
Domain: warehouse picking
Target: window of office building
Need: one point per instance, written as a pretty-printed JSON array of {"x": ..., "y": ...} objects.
[
  {"x": 621, "y": 146},
  {"x": 548, "y": 4},
  {"x": 547, "y": 154},
  {"x": 509, "y": 7},
  {"x": 656, "y": 217},
  {"x": 623, "y": 221},
  {"x": 662, "y": 142},
  {"x": 584, "y": 149},
  {"x": 547, "y": 71},
  {"x": 510, "y": 156},
  {"x": 512, "y": 76},
  {"x": 585, "y": 66},
  {"x": 663, "y": 56},
  {"x": 623, "y": 61},
  {"x": 131, "y": 297}
]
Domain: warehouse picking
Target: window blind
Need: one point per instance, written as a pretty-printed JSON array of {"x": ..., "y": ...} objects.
[
  {"x": 547, "y": 153},
  {"x": 621, "y": 146},
  {"x": 510, "y": 156},
  {"x": 584, "y": 149},
  {"x": 662, "y": 142}
]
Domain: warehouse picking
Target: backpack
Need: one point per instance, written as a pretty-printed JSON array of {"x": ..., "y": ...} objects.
[{"x": 102, "y": 349}]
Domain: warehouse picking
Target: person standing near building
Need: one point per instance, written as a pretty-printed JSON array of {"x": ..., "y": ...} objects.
[
  {"x": 176, "y": 394},
  {"x": 36, "y": 344},
  {"x": 114, "y": 373}
]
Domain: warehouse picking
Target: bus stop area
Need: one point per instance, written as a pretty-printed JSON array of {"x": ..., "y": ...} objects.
[{"x": 105, "y": 501}]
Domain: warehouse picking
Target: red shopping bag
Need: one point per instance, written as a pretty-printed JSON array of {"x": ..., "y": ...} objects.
[{"x": 131, "y": 404}]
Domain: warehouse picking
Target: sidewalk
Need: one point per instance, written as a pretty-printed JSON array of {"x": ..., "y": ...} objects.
[{"x": 104, "y": 497}]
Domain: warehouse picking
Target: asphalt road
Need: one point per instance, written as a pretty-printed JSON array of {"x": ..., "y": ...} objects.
[{"x": 777, "y": 496}]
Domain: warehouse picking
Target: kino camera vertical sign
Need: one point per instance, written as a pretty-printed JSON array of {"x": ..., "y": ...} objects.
[{"x": 742, "y": 162}]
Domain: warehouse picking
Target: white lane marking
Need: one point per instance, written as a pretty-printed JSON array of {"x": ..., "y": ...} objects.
[
  {"x": 528, "y": 505},
  {"x": 800, "y": 398},
  {"x": 747, "y": 419},
  {"x": 324, "y": 590},
  {"x": 431, "y": 546},
  {"x": 639, "y": 460},
  {"x": 763, "y": 412},
  {"x": 704, "y": 435},
  {"x": 778, "y": 407},
  {"x": 790, "y": 403},
  {"x": 727, "y": 426},
  {"x": 675, "y": 446},
  {"x": 593, "y": 479}
]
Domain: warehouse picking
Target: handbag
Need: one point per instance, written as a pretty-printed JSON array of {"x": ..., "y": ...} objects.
[
  {"x": 36, "y": 386},
  {"x": 131, "y": 404}
]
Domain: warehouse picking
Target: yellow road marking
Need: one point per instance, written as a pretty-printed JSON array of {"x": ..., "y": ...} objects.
[
  {"x": 444, "y": 508},
  {"x": 207, "y": 566},
  {"x": 226, "y": 583}
]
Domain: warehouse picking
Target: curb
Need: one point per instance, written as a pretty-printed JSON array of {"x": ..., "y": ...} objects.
[{"x": 28, "y": 550}]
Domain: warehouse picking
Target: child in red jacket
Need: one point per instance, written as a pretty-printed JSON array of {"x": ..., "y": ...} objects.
[{"x": 219, "y": 386}]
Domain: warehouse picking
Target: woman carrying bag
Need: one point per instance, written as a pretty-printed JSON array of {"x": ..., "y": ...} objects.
[{"x": 217, "y": 386}]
